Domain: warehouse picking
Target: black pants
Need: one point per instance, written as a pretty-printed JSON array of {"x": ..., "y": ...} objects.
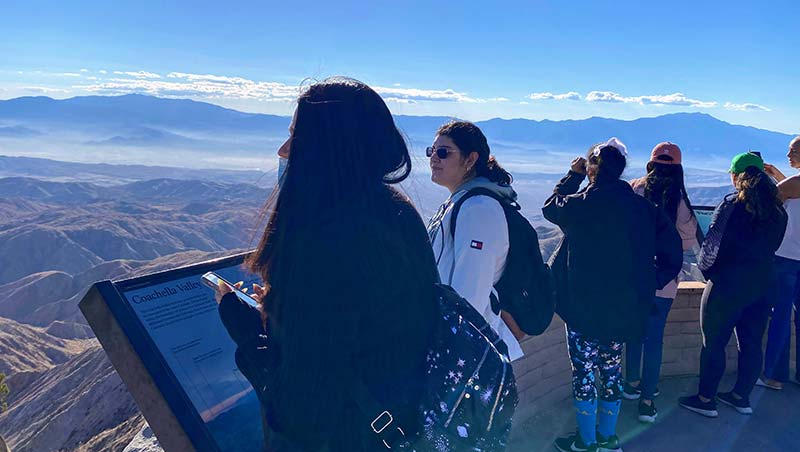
[{"x": 720, "y": 317}]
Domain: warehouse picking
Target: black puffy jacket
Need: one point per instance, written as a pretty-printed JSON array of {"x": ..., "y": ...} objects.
[{"x": 619, "y": 249}]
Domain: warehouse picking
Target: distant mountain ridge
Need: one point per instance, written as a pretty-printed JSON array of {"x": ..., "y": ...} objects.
[
  {"x": 137, "y": 121},
  {"x": 108, "y": 174},
  {"x": 138, "y": 110}
]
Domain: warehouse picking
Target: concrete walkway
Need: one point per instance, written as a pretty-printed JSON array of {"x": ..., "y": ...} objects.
[{"x": 774, "y": 425}]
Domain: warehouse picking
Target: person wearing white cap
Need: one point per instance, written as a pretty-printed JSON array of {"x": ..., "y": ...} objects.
[{"x": 620, "y": 249}]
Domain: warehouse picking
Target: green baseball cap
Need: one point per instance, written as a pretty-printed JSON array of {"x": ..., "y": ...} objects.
[{"x": 744, "y": 160}]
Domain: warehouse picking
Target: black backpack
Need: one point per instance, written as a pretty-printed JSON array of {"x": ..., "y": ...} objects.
[
  {"x": 526, "y": 288},
  {"x": 470, "y": 393}
]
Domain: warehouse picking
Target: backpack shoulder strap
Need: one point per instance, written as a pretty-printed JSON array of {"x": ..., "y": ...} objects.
[{"x": 480, "y": 191}]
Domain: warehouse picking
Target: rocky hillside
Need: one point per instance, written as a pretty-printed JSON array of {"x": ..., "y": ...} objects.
[
  {"x": 59, "y": 238},
  {"x": 71, "y": 376},
  {"x": 140, "y": 221},
  {"x": 24, "y": 348},
  {"x": 80, "y": 405}
]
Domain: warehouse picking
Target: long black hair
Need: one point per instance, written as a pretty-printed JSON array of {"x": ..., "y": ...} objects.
[
  {"x": 348, "y": 267},
  {"x": 665, "y": 187},
  {"x": 469, "y": 138},
  {"x": 344, "y": 150},
  {"x": 759, "y": 195}
]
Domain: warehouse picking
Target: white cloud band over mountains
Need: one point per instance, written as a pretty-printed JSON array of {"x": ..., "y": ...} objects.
[
  {"x": 572, "y": 95},
  {"x": 658, "y": 99},
  {"x": 745, "y": 107},
  {"x": 180, "y": 84},
  {"x": 674, "y": 99},
  {"x": 210, "y": 86}
]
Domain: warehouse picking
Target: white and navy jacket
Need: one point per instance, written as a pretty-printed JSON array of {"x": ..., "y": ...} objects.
[{"x": 473, "y": 260}]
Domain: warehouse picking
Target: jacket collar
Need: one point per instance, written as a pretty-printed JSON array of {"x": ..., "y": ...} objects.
[
  {"x": 605, "y": 184},
  {"x": 505, "y": 191}
]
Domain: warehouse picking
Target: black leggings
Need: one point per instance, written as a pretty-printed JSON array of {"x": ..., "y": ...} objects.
[{"x": 720, "y": 317}]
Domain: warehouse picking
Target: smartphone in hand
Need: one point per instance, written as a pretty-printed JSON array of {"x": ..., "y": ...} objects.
[{"x": 212, "y": 280}]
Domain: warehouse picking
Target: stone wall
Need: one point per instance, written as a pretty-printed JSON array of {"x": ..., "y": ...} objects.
[{"x": 544, "y": 375}]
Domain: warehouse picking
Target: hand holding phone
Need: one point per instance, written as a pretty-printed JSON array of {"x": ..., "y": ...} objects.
[{"x": 222, "y": 287}]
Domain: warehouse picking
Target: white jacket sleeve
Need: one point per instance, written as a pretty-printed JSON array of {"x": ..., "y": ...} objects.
[{"x": 480, "y": 249}]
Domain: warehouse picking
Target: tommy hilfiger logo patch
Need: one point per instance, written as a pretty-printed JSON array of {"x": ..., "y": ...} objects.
[{"x": 476, "y": 244}]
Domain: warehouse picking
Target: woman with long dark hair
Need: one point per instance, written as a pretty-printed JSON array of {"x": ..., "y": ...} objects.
[
  {"x": 348, "y": 275},
  {"x": 738, "y": 259},
  {"x": 663, "y": 186},
  {"x": 473, "y": 257}
]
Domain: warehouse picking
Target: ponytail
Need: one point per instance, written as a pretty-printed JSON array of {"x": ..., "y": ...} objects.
[
  {"x": 494, "y": 172},
  {"x": 758, "y": 194}
]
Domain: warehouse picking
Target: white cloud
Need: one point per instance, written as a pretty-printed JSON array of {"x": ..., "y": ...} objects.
[
  {"x": 181, "y": 84},
  {"x": 675, "y": 99},
  {"x": 207, "y": 78},
  {"x": 524, "y": 103},
  {"x": 746, "y": 107},
  {"x": 84, "y": 70},
  {"x": 44, "y": 90},
  {"x": 139, "y": 74},
  {"x": 400, "y": 101},
  {"x": 572, "y": 95},
  {"x": 103, "y": 71},
  {"x": 69, "y": 74},
  {"x": 196, "y": 85},
  {"x": 446, "y": 95},
  {"x": 607, "y": 96},
  {"x": 658, "y": 99}
]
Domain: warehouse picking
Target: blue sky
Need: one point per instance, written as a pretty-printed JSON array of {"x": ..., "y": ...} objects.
[{"x": 558, "y": 60}]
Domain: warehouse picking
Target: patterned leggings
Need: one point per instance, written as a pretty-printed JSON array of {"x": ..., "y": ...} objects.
[{"x": 588, "y": 354}]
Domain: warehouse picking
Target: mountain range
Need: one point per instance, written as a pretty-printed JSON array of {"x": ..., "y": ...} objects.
[{"x": 132, "y": 128}]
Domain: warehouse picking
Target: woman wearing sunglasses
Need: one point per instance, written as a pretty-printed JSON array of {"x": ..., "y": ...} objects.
[{"x": 472, "y": 259}]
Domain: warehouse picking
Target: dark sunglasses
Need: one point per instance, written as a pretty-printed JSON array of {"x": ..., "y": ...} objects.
[{"x": 441, "y": 152}]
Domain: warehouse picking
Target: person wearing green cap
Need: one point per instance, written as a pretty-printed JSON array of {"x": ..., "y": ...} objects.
[
  {"x": 742, "y": 161},
  {"x": 737, "y": 259}
]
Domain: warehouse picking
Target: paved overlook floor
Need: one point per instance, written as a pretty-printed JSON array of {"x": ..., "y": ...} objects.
[{"x": 774, "y": 426}]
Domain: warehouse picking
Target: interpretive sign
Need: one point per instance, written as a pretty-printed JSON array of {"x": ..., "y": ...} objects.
[{"x": 176, "y": 356}]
